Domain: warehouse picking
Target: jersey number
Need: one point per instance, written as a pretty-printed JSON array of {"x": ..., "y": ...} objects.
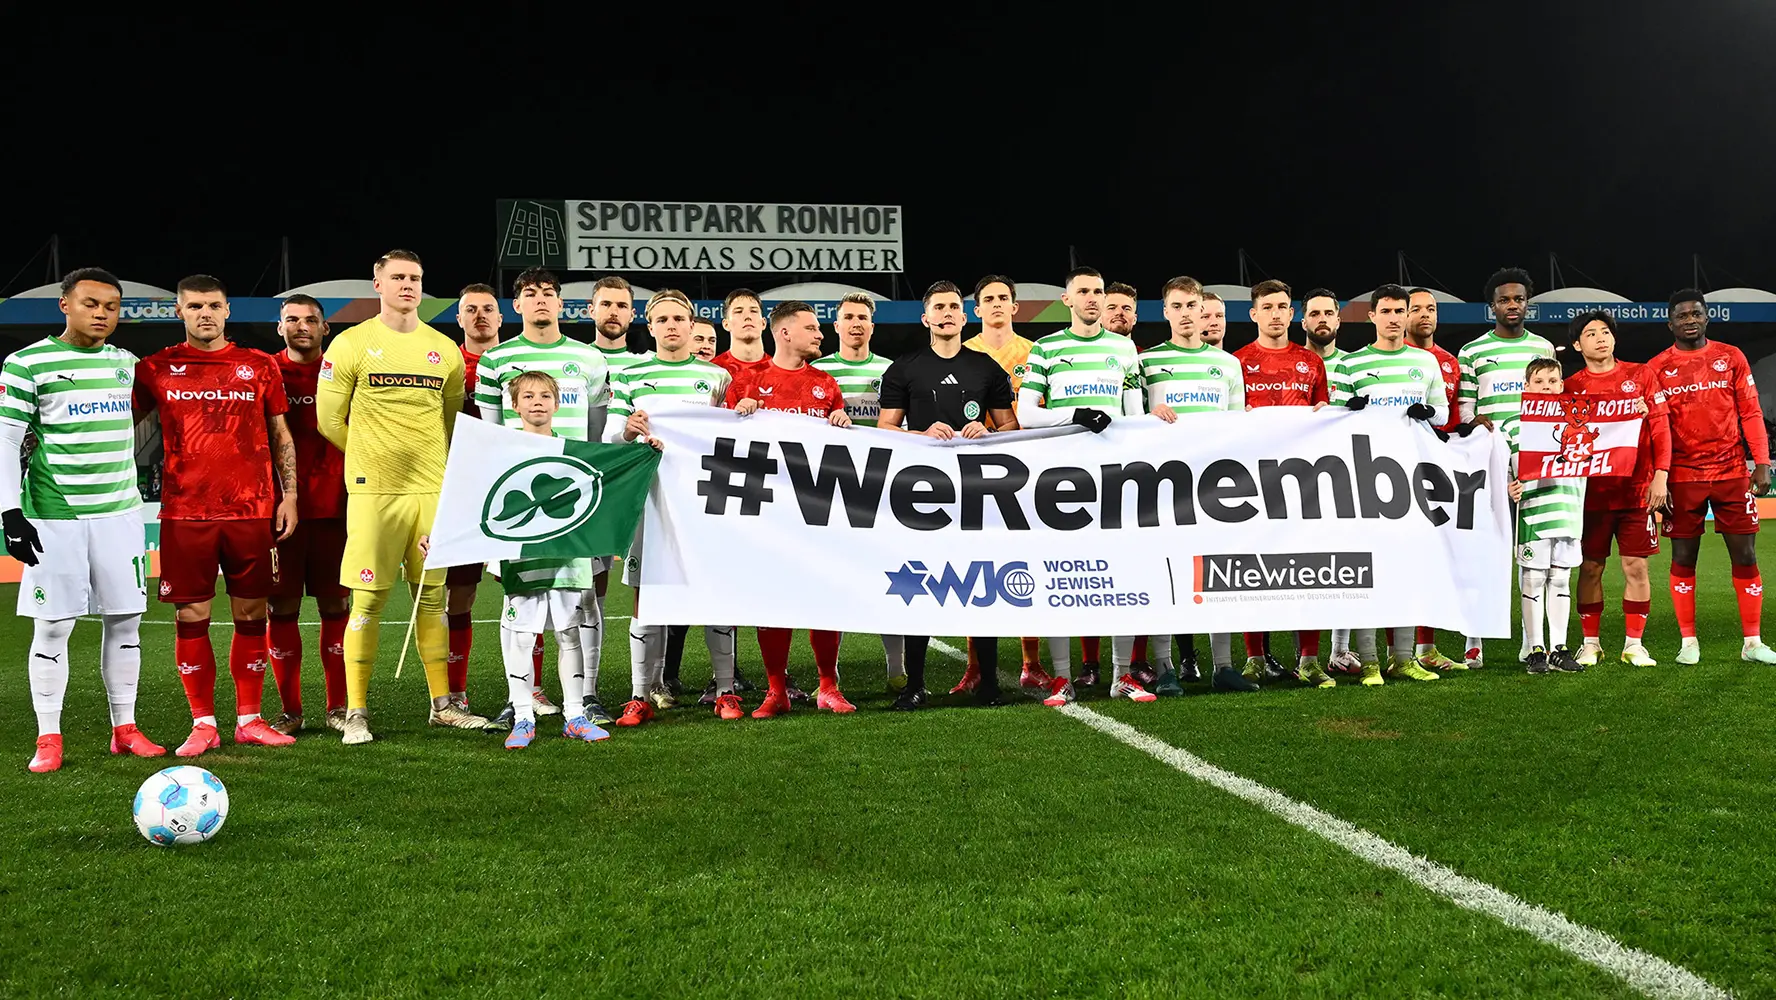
[{"x": 141, "y": 565}]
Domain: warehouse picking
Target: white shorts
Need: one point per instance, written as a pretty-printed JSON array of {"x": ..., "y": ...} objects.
[
  {"x": 542, "y": 611},
  {"x": 97, "y": 566},
  {"x": 1549, "y": 553}
]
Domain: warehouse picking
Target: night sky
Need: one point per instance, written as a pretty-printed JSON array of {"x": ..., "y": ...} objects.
[{"x": 1470, "y": 137}]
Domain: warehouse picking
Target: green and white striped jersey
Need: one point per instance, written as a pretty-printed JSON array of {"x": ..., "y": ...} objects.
[
  {"x": 861, "y": 384},
  {"x": 1492, "y": 373},
  {"x": 618, "y": 358},
  {"x": 1397, "y": 378},
  {"x": 1200, "y": 379},
  {"x": 578, "y": 368},
  {"x": 654, "y": 385},
  {"x": 531, "y": 576},
  {"x": 1068, "y": 370},
  {"x": 76, "y": 402},
  {"x": 1550, "y": 508}
]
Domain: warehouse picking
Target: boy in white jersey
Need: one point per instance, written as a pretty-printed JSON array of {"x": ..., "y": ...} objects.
[
  {"x": 543, "y": 594},
  {"x": 1492, "y": 367},
  {"x": 671, "y": 377},
  {"x": 78, "y": 533},
  {"x": 1085, "y": 376},
  {"x": 1550, "y": 522},
  {"x": 859, "y": 371},
  {"x": 1390, "y": 374},
  {"x": 582, "y": 396}
]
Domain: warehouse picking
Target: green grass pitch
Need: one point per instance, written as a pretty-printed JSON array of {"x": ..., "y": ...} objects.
[{"x": 959, "y": 852}]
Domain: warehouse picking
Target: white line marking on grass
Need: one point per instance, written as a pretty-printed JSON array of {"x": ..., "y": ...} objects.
[{"x": 1645, "y": 972}]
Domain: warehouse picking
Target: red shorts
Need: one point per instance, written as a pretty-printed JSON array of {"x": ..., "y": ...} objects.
[
  {"x": 1632, "y": 530},
  {"x": 309, "y": 559},
  {"x": 1734, "y": 505},
  {"x": 192, "y": 551},
  {"x": 466, "y": 575}
]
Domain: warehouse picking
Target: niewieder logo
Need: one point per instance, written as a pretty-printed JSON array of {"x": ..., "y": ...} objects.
[{"x": 1246, "y": 572}]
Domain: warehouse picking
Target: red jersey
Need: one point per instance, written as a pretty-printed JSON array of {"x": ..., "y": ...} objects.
[
  {"x": 1629, "y": 378},
  {"x": 214, "y": 410},
  {"x": 320, "y": 465},
  {"x": 1282, "y": 376},
  {"x": 1714, "y": 407},
  {"x": 471, "y": 362},
  {"x": 1450, "y": 369},
  {"x": 740, "y": 369},
  {"x": 788, "y": 390}
]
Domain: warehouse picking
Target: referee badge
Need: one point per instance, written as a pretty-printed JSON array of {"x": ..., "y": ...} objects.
[{"x": 971, "y": 410}]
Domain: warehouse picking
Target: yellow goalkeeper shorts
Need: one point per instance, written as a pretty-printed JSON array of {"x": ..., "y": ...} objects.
[{"x": 382, "y": 533}]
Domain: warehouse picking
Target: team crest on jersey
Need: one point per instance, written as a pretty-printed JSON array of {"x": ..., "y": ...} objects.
[
  {"x": 1302, "y": 367},
  {"x": 819, "y": 393},
  {"x": 123, "y": 375},
  {"x": 244, "y": 373},
  {"x": 434, "y": 357},
  {"x": 1720, "y": 364},
  {"x": 1446, "y": 367},
  {"x": 703, "y": 385},
  {"x": 1629, "y": 386},
  {"x": 1019, "y": 370},
  {"x": 165, "y": 588},
  {"x": 1214, "y": 372},
  {"x": 875, "y": 385},
  {"x": 1415, "y": 374},
  {"x": 971, "y": 410},
  {"x": 367, "y": 575},
  {"x": 571, "y": 368},
  {"x": 1113, "y": 362}
]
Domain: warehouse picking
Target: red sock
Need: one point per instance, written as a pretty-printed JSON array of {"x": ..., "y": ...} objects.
[
  {"x": 1308, "y": 642},
  {"x": 462, "y": 639},
  {"x": 285, "y": 640},
  {"x": 197, "y": 666},
  {"x": 1254, "y": 644},
  {"x": 247, "y": 658},
  {"x": 1031, "y": 646},
  {"x": 1635, "y": 613},
  {"x": 1683, "y": 599},
  {"x": 1089, "y": 649},
  {"x": 774, "y": 648},
  {"x": 1140, "y": 651},
  {"x": 1748, "y": 584},
  {"x": 536, "y": 663},
  {"x": 1425, "y": 635},
  {"x": 1591, "y": 620},
  {"x": 826, "y": 655},
  {"x": 333, "y": 658}
]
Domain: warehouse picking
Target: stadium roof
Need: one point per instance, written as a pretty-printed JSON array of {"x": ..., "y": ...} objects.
[
  {"x": 343, "y": 288},
  {"x": 1231, "y": 293},
  {"x": 1578, "y": 294},
  {"x": 583, "y": 290},
  {"x": 1438, "y": 294},
  {"x": 1741, "y": 295},
  {"x": 131, "y": 290},
  {"x": 816, "y": 291},
  {"x": 1033, "y": 291}
]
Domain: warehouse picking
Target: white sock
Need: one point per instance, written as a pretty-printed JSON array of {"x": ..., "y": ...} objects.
[
  {"x": 1221, "y": 649},
  {"x": 1533, "y": 583},
  {"x": 1423, "y": 648},
  {"x": 49, "y": 672},
  {"x": 1559, "y": 605},
  {"x": 1365, "y": 645},
  {"x": 894, "y": 648},
  {"x": 516, "y": 647},
  {"x": 1341, "y": 641},
  {"x": 203, "y": 720},
  {"x": 120, "y": 665},
  {"x": 571, "y": 669},
  {"x": 1122, "y": 651},
  {"x": 1471, "y": 642},
  {"x": 1402, "y": 645},
  {"x": 1159, "y": 650},
  {"x": 646, "y": 645},
  {"x": 591, "y": 639},
  {"x": 1752, "y": 640},
  {"x": 720, "y": 640},
  {"x": 1060, "y": 656}
]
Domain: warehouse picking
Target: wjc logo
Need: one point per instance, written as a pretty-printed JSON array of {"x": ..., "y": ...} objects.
[{"x": 1009, "y": 582}]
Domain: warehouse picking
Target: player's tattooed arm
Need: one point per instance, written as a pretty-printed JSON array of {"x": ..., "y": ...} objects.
[{"x": 283, "y": 448}]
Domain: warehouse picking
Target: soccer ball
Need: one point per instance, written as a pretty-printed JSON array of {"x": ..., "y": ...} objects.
[{"x": 181, "y": 805}]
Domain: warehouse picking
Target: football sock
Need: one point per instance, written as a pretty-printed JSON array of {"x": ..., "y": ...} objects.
[
  {"x": 894, "y": 651},
  {"x": 1221, "y": 649},
  {"x": 1365, "y": 645},
  {"x": 49, "y": 672},
  {"x": 1401, "y": 644},
  {"x": 1159, "y": 650},
  {"x": 989, "y": 668},
  {"x": 120, "y": 665},
  {"x": 646, "y": 645},
  {"x": 433, "y": 640},
  {"x": 720, "y": 640},
  {"x": 916, "y": 646},
  {"x": 591, "y": 638},
  {"x": 1532, "y": 582},
  {"x": 774, "y": 650},
  {"x": 1591, "y": 620},
  {"x": 1559, "y": 605},
  {"x": 1308, "y": 643},
  {"x": 1140, "y": 651},
  {"x": 362, "y": 633},
  {"x": 571, "y": 671},
  {"x": 1089, "y": 649},
  {"x": 1060, "y": 655},
  {"x": 246, "y": 664},
  {"x": 197, "y": 667},
  {"x": 333, "y": 658},
  {"x": 1255, "y": 643},
  {"x": 1748, "y": 585},
  {"x": 675, "y": 648},
  {"x": 1341, "y": 641},
  {"x": 462, "y": 641},
  {"x": 1030, "y": 645},
  {"x": 1426, "y": 637},
  {"x": 1122, "y": 651},
  {"x": 1634, "y": 613},
  {"x": 1683, "y": 599},
  {"x": 284, "y": 643},
  {"x": 1186, "y": 644},
  {"x": 1471, "y": 642},
  {"x": 536, "y": 664},
  {"x": 826, "y": 655},
  {"x": 515, "y": 650}
]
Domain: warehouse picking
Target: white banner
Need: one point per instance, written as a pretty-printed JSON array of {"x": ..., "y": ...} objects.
[{"x": 1272, "y": 519}]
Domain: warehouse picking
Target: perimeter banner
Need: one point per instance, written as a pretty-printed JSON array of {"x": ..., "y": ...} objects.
[{"x": 1277, "y": 518}]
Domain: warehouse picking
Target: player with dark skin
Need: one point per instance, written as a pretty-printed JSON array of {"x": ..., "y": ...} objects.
[{"x": 1688, "y": 323}]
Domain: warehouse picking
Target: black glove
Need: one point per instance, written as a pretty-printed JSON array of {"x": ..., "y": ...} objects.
[
  {"x": 21, "y": 537},
  {"x": 1421, "y": 411},
  {"x": 1356, "y": 402},
  {"x": 1442, "y": 435},
  {"x": 1092, "y": 420},
  {"x": 1464, "y": 429}
]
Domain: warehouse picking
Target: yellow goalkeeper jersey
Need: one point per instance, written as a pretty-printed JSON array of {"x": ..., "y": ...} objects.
[
  {"x": 1014, "y": 357},
  {"x": 389, "y": 401}
]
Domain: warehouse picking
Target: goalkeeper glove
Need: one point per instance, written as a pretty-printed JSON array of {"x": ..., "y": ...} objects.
[
  {"x": 1356, "y": 402},
  {"x": 21, "y": 537},
  {"x": 1421, "y": 411},
  {"x": 1092, "y": 420}
]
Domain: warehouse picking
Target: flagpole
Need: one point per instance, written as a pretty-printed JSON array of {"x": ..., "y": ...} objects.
[{"x": 412, "y": 617}]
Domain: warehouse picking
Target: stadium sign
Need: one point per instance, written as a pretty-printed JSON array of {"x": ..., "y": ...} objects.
[
  {"x": 683, "y": 237},
  {"x": 1278, "y": 519}
]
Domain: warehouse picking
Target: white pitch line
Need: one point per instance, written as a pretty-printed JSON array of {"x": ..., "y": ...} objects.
[{"x": 1645, "y": 972}]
